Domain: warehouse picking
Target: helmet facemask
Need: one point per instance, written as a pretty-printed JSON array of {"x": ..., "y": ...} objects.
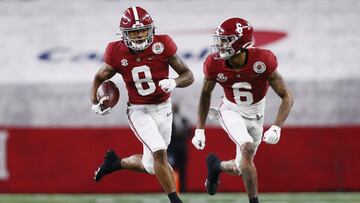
[
  {"x": 135, "y": 43},
  {"x": 223, "y": 46}
]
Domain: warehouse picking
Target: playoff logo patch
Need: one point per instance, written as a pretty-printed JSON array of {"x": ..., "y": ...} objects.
[
  {"x": 157, "y": 47},
  {"x": 259, "y": 67}
]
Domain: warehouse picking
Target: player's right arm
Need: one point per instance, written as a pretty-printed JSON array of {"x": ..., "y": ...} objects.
[
  {"x": 204, "y": 102},
  {"x": 104, "y": 73},
  {"x": 203, "y": 109}
]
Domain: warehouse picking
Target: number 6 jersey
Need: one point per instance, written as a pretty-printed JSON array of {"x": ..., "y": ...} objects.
[
  {"x": 142, "y": 71},
  {"x": 248, "y": 85}
]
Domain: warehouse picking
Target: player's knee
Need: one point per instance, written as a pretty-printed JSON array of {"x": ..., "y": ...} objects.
[
  {"x": 248, "y": 151},
  {"x": 237, "y": 168},
  {"x": 160, "y": 156}
]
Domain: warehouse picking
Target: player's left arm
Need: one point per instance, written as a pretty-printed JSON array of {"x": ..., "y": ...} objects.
[
  {"x": 272, "y": 135},
  {"x": 279, "y": 86},
  {"x": 185, "y": 77}
]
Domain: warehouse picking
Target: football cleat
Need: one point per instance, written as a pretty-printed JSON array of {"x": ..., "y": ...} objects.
[
  {"x": 213, "y": 167},
  {"x": 111, "y": 164}
]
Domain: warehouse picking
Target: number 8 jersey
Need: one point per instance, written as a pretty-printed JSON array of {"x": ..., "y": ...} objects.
[
  {"x": 248, "y": 85},
  {"x": 142, "y": 71}
]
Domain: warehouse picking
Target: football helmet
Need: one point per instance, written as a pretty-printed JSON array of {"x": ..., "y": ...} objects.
[
  {"x": 232, "y": 36},
  {"x": 137, "y": 28}
]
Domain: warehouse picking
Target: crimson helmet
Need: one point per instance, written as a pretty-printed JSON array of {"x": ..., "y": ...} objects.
[
  {"x": 134, "y": 19},
  {"x": 232, "y": 36}
]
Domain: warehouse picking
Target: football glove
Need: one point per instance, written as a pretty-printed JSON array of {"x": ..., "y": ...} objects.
[
  {"x": 98, "y": 108},
  {"x": 167, "y": 85},
  {"x": 272, "y": 135},
  {"x": 199, "y": 139}
]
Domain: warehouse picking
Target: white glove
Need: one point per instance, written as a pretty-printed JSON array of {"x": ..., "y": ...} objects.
[
  {"x": 199, "y": 139},
  {"x": 272, "y": 135},
  {"x": 98, "y": 109},
  {"x": 167, "y": 85}
]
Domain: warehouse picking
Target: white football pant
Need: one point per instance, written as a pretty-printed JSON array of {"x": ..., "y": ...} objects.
[
  {"x": 152, "y": 125},
  {"x": 239, "y": 128}
]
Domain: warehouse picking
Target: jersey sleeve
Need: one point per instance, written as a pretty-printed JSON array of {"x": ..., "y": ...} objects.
[
  {"x": 271, "y": 65},
  {"x": 108, "y": 56},
  {"x": 207, "y": 68},
  {"x": 170, "y": 46}
]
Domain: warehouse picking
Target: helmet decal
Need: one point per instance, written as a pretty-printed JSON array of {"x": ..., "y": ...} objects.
[
  {"x": 147, "y": 17},
  {"x": 125, "y": 19},
  {"x": 239, "y": 28},
  {"x": 219, "y": 31}
]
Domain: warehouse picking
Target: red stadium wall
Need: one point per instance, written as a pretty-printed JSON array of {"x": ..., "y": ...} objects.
[{"x": 51, "y": 160}]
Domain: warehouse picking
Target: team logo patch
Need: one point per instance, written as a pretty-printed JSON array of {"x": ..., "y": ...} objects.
[
  {"x": 259, "y": 67},
  {"x": 124, "y": 62},
  {"x": 221, "y": 78},
  {"x": 157, "y": 47}
]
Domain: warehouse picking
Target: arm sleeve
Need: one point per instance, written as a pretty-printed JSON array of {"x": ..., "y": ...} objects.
[
  {"x": 207, "y": 68},
  {"x": 108, "y": 55},
  {"x": 272, "y": 64},
  {"x": 170, "y": 46}
]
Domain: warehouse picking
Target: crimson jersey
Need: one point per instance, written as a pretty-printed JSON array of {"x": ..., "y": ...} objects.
[
  {"x": 247, "y": 85},
  {"x": 142, "y": 71}
]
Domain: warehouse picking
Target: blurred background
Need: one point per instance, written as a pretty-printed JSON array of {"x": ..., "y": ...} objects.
[{"x": 51, "y": 141}]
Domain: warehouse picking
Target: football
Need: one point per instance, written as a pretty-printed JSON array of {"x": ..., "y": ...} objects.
[{"x": 110, "y": 90}]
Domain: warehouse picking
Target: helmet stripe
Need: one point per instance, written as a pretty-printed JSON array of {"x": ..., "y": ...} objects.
[{"x": 136, "y": 15}]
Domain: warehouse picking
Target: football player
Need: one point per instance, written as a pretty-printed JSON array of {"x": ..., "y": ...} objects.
[
  {"x": 245, "y": 74},
  {"x": 143, "y": 59}
]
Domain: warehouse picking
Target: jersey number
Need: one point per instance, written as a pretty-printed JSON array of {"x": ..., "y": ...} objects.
[
  {"x": 144, "y": 85},
  {"x": 246, "y": 95}
]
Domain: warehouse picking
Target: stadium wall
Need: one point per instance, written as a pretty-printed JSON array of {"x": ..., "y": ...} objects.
[{"x": 51, "y": 160}]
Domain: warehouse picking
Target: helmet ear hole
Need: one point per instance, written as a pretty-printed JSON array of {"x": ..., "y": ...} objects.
[{"x": 231, "y": 38}]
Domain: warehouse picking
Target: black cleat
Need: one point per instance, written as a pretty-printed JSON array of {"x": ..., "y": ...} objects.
[
  {"x": 213, "y": 167},
  {"x": 111, "y": 164}
]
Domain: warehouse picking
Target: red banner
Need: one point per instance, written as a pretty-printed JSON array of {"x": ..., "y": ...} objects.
[{"x": 52, "y": 160}]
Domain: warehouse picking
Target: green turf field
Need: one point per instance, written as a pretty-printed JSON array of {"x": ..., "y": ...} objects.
[{"x": 187, "y": 198}]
